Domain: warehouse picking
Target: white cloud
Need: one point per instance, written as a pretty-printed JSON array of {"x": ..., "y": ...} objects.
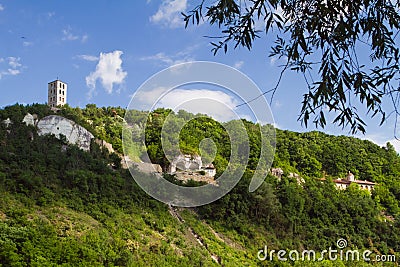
[
  {"x": 273, "y": 60},
  {"x": 238, "y": 64},
  {"x": 216, "y": 104},
  {"x": 69, "y": 36},
  {"x": 85, "y": 38},
  {"x": 150, "y": 97},
  {"x": 395, "y": 143},
  {"x": 13, "y": 72},
  {"x": 1, "y": 7},
  {"x": 169, "y": 13},
  {"x": 25, "y": 43},
  {"x": 14, "y": 62},
  {"x": 109, "y": 71},
  {"x": 167, "y": 60},
  {"x": 88, "y": 57},
  {"x": 13, "y": 67},
  {"x": 277, "y": 104},
  {"x": 276, "y": 125},
  {"x": 170, "y": 60}
]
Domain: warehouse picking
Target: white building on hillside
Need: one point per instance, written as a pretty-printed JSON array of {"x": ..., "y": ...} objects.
[
  {"x": 344, "y": 183},
  {"x": 210, "y": 170}
]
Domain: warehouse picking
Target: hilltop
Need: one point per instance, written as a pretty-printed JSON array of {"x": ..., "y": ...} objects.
[{"x": 61, "y": 205}]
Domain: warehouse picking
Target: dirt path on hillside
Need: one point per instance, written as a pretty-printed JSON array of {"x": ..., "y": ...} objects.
[{"x": 174, "y": 213}]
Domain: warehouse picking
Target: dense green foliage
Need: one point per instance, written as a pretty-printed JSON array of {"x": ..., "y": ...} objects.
[
  {"x": 72, "y": 209},
  {"x": 75, "y": 208},
  {"x": 347, "y": 51}
]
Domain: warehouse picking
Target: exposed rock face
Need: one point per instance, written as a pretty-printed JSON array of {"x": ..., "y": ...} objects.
[
  {"x": 185, "y": 176},
  {"x": 277, "y": 172},
  {"x": 145, "y": 167},
  {"x": 30, "y": 119},
  {"x": 126, "y": 162},
  {"x": 186, "y": 162},
  {"x": 74, "y": 133},
  {"x": 105, "y": 145},
  {"x": 7, "y": 122},
  {"x": 148, "y": 167}
]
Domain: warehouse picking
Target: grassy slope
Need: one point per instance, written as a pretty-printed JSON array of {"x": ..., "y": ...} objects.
[{"x": 62, "y": 223}]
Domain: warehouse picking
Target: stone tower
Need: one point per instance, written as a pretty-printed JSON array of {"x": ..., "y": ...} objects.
[{"x": 57, "y": 93}]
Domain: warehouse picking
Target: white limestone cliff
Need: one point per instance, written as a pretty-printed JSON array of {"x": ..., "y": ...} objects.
[{"x": 74, "y": 133}]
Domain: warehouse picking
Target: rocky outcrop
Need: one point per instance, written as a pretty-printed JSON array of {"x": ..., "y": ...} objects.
[
  {"x": 103, "y": 144},
  {"x": 186, "y": 162},
  {"x": 60, "y": 126},
  {"x": 148, "y": 167},
  {"x": 30, "y": 119},
  {"x": 145, "y": 167},
  {"x": 7, "y": 122},
  {"x": 277, "y": 172}
]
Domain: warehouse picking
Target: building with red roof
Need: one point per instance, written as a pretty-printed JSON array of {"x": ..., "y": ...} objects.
[{"x": 346, "y": 182}]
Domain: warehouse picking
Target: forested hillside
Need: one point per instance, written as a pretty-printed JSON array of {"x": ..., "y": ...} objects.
[{"x": 74, "y": 208}]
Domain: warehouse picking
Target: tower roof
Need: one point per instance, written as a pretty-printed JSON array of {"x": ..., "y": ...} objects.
[{"x": 56, "y": 80}]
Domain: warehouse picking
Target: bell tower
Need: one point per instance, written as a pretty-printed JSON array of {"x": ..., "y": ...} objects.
[{"x": 57, "y": 93}]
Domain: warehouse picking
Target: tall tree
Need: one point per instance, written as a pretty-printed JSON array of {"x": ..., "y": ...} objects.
[{"x": 325, "y": 42}]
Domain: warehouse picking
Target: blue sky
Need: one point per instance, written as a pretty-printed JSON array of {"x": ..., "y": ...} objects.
[{"x": 105, "y": 50}]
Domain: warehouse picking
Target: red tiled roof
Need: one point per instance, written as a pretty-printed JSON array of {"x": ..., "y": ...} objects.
[
  {"x": 343, "y": 181},
  {"x": 340, "y": 181},
  {"x": 365, "y": 182}
]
